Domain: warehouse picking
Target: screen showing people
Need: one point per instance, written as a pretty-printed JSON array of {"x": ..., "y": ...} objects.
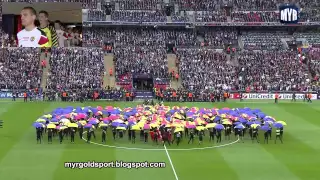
[{"x": 36, "y": 27}]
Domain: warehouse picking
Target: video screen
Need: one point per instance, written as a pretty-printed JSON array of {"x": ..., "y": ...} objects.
[{"x": 42, "y": 24}]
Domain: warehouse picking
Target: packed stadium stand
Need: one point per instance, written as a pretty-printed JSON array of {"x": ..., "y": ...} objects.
[
  {"x": 20, "y": 68},
  {"x": 204, "y": 46},
  {"x": 75, "y": 68}
]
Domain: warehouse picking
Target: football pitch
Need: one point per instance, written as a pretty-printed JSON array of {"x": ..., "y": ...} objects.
[{"x": 298, "y": 158}]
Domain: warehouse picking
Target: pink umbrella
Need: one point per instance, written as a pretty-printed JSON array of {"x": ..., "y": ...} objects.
[
  {"x": 105, "y": 118},
  {"x": 191, "y": 126},
  {"x": 146, "y": 126},
  {"x": 100, "y": 108},
  {"x": 109, "y": 107}
]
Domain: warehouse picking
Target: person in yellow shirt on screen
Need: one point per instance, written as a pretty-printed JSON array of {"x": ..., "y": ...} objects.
[{"x": 48, "y": 29}]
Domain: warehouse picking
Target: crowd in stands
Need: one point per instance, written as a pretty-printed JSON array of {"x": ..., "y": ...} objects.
[
  {"x": 204, "y": 69},
  {"x": 241, "y": 16},
  {"x": 20, "y": 68},
  {"x": 75, "y": 68},
  {"x": 263, "y": 41},
  {"x": 95, "y": 37},
  {"x": 138, "y": 16},
  {"x": 142, "y": 59},
  {"x": 272, "y": 70},
  {"x": 313, "y": 39},
  {"x": 138, "y": 4}
]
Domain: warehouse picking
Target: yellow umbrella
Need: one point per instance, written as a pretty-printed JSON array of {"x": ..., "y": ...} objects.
[
  {"x": 178, "y": 130},
  {"x": 73, "y": 125},
  {"x": 223, "y": 115},
  {"x": 211, "y": 125},
  {"x": 227, "y": 122},
  {"x": 63, "y": 127},
  {"x": 254, "y": 126},
  {"x": 168, "y": 125},
  {"x": 48, "y": 116},
  {"x": 135, "y": 128},
  {"x": 51, "y": 126},
  {"x": 282, "y": 122},
  {"x": 83, "y": 122},
  {"x": 121, "y": 128},
  {"x": 103, "y": 125},
  {"x": 154, "y": 125},
  {"x": 200, "y": 128},
  {"x": 40, "y": 120}
]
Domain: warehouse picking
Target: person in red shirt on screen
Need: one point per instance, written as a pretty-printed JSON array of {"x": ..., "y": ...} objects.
[{"x": 31, "y": 35}]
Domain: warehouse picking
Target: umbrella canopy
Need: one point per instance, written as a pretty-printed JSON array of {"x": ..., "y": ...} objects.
[
  {"x": 73, "y": 125},
  {"x": 278, "y": 125},
  {"x": 219, "y": 126},
  {"x": 211, "y": 125},
  {"x": 282, "y": 122},
  {"x": 51, "y": 126}
]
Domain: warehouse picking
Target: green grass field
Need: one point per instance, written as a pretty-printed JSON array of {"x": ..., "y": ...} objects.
[{"x": 298, "y": 158}]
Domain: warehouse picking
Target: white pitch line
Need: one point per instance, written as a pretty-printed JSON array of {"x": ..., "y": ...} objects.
[
  {"x": 149, "y": 149},
  {"x": 174, "y": 171}
]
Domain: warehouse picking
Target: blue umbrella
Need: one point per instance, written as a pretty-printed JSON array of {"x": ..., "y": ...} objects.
[
  {"x": 217, "y": 118},
  {"x": 106, "y": 121},
  {"x": 37, "y": 125},
  {"x": 239, "y": 126},
  {"x": 115, "y": 124},
  {"x": 278, "y": 125},
  {"x": 242, "y": 120},
  {"x": 131, "y": 123},
  {"x": 249, "y": 123},
  {"x": 265, "y": 128},
  {"x": 237, "y": 123},
  {"x": 87, "y": 126},
  {"x": 93, "y": 122},
  {"x": 219, "y": 126},
  {"x": 257, "y": 122},
  {"x": 122, "y": 125}
]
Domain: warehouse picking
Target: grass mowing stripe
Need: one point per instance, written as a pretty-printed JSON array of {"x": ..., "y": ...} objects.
[
  {"x": 143, "y": 173},
  {"x": 303, "y": 111},
  {"x": 298, "y": 126},
  {"x": 30, "y": 160},
  {"x": 299, "y": 156},
  {"x": 250, "y": 155}
]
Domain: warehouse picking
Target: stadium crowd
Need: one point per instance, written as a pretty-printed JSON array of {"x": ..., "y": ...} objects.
[
  {"x": 20, "y": 68},
  {"x": 75, "y": 68},
  {"x": 132, "y": 59},
  {"x": 273, "y": 70},
  {"x": 204, "y": 11}
]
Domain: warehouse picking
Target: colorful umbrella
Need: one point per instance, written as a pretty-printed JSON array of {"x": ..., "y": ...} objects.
[
  {"x": 37, "y": 125},
  {"x": 146, "y": 126},
  {"x": 239, "y": 126},
  {"x": 265, "y": 128},
  {"x": 103, "y": 125},
  {"x": 73, "y": 125},
  {"x": 282, "y": 122},
  {"x": 278, "y": 125},
  {"x": 178, "y": 130},
  {"x": 254, "y": 126},
  {"x": 51, "y": 126},
  {"x": 41, "y": 120},
  {"x": 211, "y": 125},
  {"x": 87, "y": 126},
  {"x": 219, "y": 126},
  {"x": 135, "y": 128},
  {"x": 200, "y": 128},
  {"x": 121, "y": 128}
]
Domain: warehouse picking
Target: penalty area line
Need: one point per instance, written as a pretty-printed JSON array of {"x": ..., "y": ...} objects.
[{"x": 166, "y": 149}]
